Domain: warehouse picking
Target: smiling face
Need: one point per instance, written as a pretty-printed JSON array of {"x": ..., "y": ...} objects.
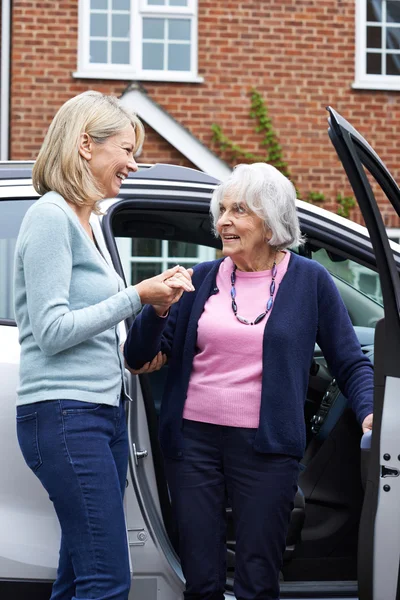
[
  {"x": 111, "y": 161},
  {"x": 243, "y": 234}
]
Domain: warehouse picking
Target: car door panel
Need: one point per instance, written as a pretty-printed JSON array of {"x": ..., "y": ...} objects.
[{"x": 379, "y": 529}]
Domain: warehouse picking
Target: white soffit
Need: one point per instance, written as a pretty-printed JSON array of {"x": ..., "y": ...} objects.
[{"x": 175, "y": 134}]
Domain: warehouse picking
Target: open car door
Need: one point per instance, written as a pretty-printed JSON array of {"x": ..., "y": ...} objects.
[{"x": 379, "y": 536}]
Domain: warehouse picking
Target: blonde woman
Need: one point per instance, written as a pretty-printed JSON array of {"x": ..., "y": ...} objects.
[{"x": 68, "y": 302}]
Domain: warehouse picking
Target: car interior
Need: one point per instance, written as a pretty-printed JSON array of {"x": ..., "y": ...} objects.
[{"x": 323, "y": 534}]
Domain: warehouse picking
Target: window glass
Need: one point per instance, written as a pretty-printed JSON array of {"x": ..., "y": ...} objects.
[
  {"x": 146, "y": 247},
  {"x": 363, "y": 280},
  {"x": 153, "y": 29},
  {"x": 180, "y": 249},
  {"x": 98, "y": 52},
  {"x": 153, "y": 56},
  {"x": 172, "y": 52},
  {"x": 178, "y": 57},
  {"x": 374, "y": 37},
  {"x": 11, "y": 215},
  {"x": 379, "y": 43},
  {"x": 146, "y": 257},
  {"x": 98, "y": 4},
  {"x": 140, "y": 271},
  {"x": 120, "y": 26},
  {"x": 374, "y": 63},
  {"x": 129, "y": 37},
  {"x": 98, "y": 24},
  {"x": 374, "y": 10},
  {"x": 393, "y": 11},
  {"x": 393, "y": 64},
  {"x": 179, "y": 29},
  {"x": 108, "y": 26},
  {"x": 121, "y": 4},
  {"x": 120, "y": 53}
]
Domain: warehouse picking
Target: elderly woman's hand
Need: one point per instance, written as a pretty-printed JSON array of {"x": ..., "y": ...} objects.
[
  {"x": 367, "y": 423},
  {"x": 165, "y": 289},
  {"x": 182, "y": 275},
  {"x": 155, "y": 365}
]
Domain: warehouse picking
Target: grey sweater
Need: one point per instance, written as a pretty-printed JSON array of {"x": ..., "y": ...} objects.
[{"x": 68, "y": 303}]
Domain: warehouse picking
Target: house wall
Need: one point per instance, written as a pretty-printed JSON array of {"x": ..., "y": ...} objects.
[{"x": 298, "y": 53}]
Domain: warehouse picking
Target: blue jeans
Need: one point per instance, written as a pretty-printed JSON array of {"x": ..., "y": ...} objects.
[
  {"x": 79, "y": 452},
  {"x": 220, "y": 462}
]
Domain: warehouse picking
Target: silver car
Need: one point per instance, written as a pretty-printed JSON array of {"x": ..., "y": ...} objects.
[{"x": 344, "y": 536}]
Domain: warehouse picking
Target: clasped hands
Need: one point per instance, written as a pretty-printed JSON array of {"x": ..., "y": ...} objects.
[{"x": 161, "y": 292}]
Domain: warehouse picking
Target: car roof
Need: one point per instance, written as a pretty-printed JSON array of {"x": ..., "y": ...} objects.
[
  {"x": 11, "y": 170},
  {"x": 181, "y": 183}
]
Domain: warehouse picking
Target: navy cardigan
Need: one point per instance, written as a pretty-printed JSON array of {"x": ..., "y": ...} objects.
[{"x": 307, "y": 309}]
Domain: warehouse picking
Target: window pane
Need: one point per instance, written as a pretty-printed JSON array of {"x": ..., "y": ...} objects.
[
  {"x": 121, "y": 4},
  {"x": 156, "y": 2},
  {"x": 98, "y": 25},
  {"x": 153, "y": 29},
  {"x": 120, "y": 26},
  {"x": 182, "y": 249},
  {"x": 153, "y": 56},
  {"x": 146, "y": 247},
  {"x": 368, "y": 283},
  {"x": 98, "y": 4},
  {"x": 120, "y": 53},
  {"x": 393, "y": 64},
  {"x": 178, "y": 2},
  {"x": 393, "y": 11},
  {"x": 98, "y": 52},
  {"x": 178, "y": 57},
  {"x": 393, "y": 38},
  {"x": 374, "y": 37},
  {"x": 374, "y": 64},
  {"x": 178, "y": 29},
  {"x": 142, "y": 271},
  {"x": 358, "y": 277},
  {"x": 374, "y": 10}
]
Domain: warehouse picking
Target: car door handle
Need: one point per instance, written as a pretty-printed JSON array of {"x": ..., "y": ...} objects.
[{"x": 138, "y": 454}]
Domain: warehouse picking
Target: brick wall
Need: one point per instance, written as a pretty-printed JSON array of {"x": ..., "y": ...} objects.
[{"x": 298, "y": 53}]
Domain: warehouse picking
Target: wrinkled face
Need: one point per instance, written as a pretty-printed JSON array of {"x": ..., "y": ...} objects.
[
  {"x": 242, "y": 232},
  {"x": 111, "y": 161}
]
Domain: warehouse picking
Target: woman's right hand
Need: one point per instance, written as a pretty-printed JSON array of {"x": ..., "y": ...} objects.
[
  {"x": 157, "y": 292},
  {"x": 155, "y": 365}
]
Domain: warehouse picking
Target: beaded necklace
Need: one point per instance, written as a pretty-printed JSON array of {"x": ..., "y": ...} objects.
[{"x": 268, "y": 305}]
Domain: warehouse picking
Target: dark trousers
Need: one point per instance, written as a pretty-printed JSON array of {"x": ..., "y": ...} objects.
[
  {"x": 79, "y": 452},
  {"x": 218, "y": 462}
]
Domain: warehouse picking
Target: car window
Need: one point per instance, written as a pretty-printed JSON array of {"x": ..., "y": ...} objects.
[
  {"x": 11, "y": 215},
  {"x": 357, "y": 276},
  {"x": 145, "y": 257},
  {"x": 358, "y": 286}
]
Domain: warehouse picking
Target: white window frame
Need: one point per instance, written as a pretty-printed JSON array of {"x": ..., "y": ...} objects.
[
  {"x": 362, "y": 79},
  {"x": 124, "y": 245},
  {"x": 133, "y": 71}
]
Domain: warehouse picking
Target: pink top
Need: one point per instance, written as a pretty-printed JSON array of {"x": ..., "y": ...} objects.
[{"x": 225, "y": 384}]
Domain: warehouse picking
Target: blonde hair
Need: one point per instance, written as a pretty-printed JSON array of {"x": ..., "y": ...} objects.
[
  {"x": 59, "y": 166},
  {"x": 268, "y": 194}
]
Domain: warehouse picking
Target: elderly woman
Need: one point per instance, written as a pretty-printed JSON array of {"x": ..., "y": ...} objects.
[
  {"x": 68, "y": 302},
  {"x": 239, "y": 351}
]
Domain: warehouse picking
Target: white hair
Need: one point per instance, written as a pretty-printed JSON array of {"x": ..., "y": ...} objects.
[{"x": 268, "y": 194}]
